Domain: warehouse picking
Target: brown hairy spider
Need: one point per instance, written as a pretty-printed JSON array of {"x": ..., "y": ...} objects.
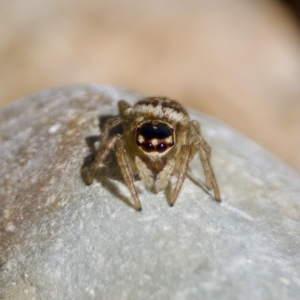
[{"x": 158, "y": 141}]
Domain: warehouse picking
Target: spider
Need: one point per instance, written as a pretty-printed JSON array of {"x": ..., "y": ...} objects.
[{"x": 158, "y": 141}]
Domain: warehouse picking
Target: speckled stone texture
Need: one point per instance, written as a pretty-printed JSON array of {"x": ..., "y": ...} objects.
[{"x": 61, "y": 239}]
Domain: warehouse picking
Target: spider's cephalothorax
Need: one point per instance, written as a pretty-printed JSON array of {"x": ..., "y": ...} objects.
[{"x": 158, "y": 141}]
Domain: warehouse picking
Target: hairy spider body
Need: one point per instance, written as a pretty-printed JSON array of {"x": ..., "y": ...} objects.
[{"x": 158, "y": 141}]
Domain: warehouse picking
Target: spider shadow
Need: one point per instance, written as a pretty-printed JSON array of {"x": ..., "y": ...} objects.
[{"x": 109, "y": 172}]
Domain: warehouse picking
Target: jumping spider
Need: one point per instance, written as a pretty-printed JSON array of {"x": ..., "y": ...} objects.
[{"x": 158, "y": 141}]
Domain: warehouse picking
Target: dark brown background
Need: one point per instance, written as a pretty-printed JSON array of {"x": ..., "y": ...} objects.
[{"x": 237, "y": 60}]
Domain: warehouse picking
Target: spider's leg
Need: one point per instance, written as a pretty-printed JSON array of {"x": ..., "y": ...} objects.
[
  {"x": 204, "y": 152},
  {"x": 123, "y": 105},
  {"x": 211, "y": 181},
  {"x": 109, "y": 124},
  {"x": 101, "y": 154},
  {"x": 185, "y": 158},
  {"x": 127, "y": 173}
]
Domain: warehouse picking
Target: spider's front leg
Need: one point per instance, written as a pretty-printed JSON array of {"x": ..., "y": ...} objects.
[
  {"x": 211, "y": 181},
  {"x": 204, "y": 152},
  {"x": 185, "y": 155},
  {"x": 127, "y": 173}
]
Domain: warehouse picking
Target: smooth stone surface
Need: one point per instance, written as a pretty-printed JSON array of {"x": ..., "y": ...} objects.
[{"x": 61, "y": 239}]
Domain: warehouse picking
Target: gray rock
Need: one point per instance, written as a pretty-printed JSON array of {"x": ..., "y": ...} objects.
[{"x": 61, "y": 239}]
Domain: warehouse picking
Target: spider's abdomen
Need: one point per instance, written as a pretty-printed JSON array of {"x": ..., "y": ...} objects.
[{"x": 155, "y": 136}]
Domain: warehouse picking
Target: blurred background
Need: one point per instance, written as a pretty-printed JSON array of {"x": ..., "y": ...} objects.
[{"x": 236, "y": 60}]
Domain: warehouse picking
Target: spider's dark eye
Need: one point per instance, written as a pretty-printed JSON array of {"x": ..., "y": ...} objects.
[
  {"x": 148, "y": 146},
  {"x": 161, "y": 147}
]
